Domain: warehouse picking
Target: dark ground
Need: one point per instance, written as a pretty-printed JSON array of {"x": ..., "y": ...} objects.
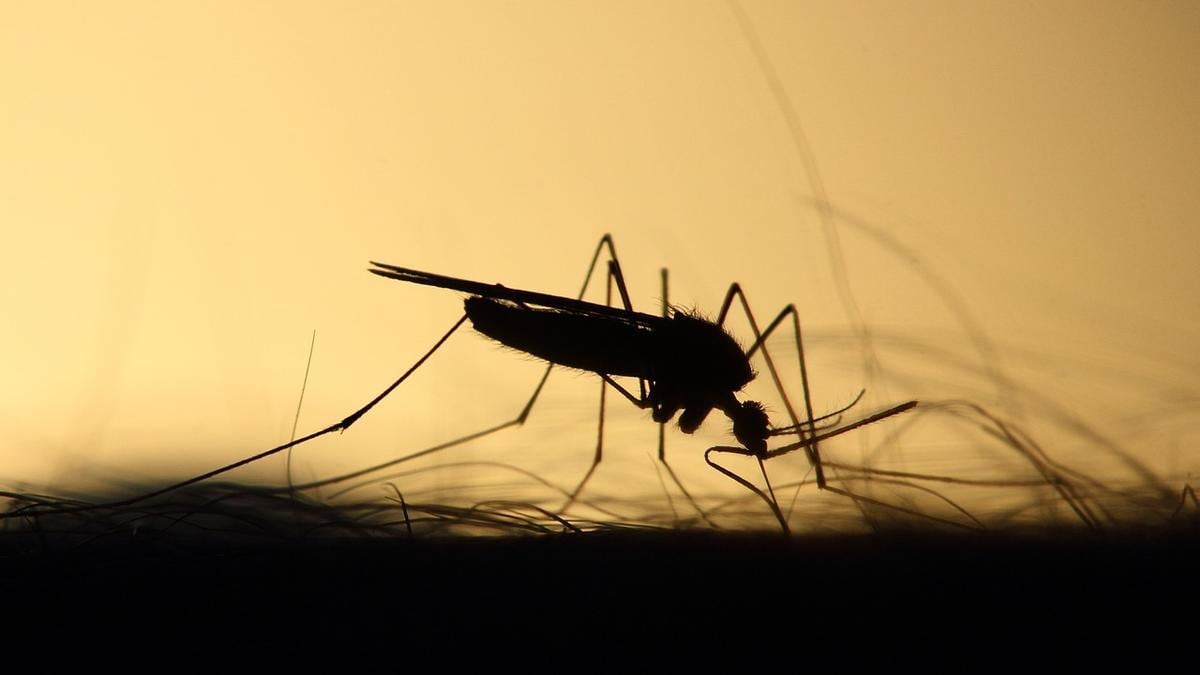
[{"x": 1041, "y": 601}]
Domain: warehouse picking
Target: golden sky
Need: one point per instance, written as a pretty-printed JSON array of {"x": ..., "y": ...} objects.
[{"x": 189, "y": 190}]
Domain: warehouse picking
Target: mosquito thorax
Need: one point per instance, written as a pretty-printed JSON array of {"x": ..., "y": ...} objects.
[{"x": 701, "y": 356}]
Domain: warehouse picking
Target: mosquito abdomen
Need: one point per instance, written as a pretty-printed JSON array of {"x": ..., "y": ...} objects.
[{"x": 597, "y": 344}]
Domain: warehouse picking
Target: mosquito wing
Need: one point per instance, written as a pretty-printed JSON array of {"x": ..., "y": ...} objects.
[{"x": 500, "y": 292}]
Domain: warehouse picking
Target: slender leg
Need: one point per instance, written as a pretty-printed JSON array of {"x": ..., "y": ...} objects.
[
  {"x": 806, "y": 431},
  {"x": 814, "y": 456},
  {"x": 662, "y": 426},
  {"x": 808, "y": 435},
  {"x": 617, "y": 278},
  {"x": 339, "y": 426},
  {"x": 614, "y": 275},
  {"x": 760, "y": 338}
]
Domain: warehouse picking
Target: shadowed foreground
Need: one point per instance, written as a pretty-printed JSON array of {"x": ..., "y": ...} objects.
[{"x": 1043, "y": 598}]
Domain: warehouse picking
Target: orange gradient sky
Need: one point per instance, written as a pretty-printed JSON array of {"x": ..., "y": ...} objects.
[{"x": 188, "y": 190}]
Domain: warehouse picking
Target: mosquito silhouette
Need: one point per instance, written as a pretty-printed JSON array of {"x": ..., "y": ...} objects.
[{"x": 684, "y": 364}]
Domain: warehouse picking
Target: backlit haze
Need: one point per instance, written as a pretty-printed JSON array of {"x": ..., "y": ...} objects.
[{"x": 189, "y": 190}]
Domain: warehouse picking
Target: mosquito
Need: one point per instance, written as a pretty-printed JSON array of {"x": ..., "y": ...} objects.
[{"x": 684, "y": 364}]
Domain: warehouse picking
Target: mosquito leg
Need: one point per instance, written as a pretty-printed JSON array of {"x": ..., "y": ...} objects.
[
  {"x": 770, "y": 500},
  {"x": 806, "y": 433},
  {"x": 662, "y": 426},
  {"x": 614, "y": 276},
  {"x": 642, "y": 403},
  {"x": 354, "y": 416},
  {"x": 339, "y": 426},
  {"x": 665, "y": 309},
  {"x": 760, "y": 342},
  {"x": 760, "y": 336}
]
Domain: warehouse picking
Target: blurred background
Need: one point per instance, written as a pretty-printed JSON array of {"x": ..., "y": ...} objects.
[{"x": 988, "y": 202}]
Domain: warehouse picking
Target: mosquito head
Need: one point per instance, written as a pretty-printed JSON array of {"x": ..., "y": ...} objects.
[{"x": 750, "y": 426}]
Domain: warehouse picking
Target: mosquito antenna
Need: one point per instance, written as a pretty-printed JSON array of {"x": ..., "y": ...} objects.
[{"x": 791, "y": 428}]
